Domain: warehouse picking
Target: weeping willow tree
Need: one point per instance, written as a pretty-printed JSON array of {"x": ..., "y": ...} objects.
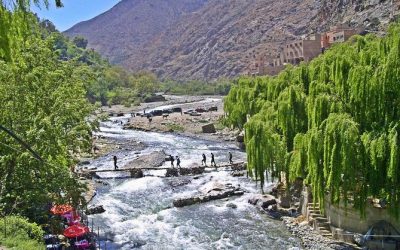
[{"x": 332, "y": 122}]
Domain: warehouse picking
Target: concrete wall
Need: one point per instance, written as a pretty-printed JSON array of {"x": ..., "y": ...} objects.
[{"x": 349, "y": 219}]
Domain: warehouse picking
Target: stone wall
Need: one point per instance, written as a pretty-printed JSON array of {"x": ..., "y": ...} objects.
[{"x": 349, "y": 219}]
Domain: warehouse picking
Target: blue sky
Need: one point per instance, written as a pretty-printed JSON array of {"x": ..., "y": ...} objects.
[{"x": 74, "y": 11}]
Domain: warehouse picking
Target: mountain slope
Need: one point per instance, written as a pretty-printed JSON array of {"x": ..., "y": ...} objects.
[
  {"x": 200, "y": 39},
  {"x": 130, "y": 25}
]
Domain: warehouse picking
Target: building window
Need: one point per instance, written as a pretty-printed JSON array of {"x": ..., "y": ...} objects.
[{"x": 301, "y": 44}]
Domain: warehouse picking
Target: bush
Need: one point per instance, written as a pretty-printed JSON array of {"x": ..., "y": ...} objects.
[
  {"x": 17, "y": 232},
  {"x": 175, "y": 127}
]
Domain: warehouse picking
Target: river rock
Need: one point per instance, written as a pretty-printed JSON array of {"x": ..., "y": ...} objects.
[
  {"x": 192, "y": 170},
  {"x": 238, "y": 173},
  {"x": 267, "y": 201},
  {"x": 253, "y": 200},
  {"x": 210, "y": 191},
  {"x": 239, "y": 166},
  {"x": 231, "y": 205},
  {"x": 154, "y": 159},
  {"x": 208, "y": 128},
  {"x": 176, "y": 182},
  {"x": 136, "y": 173},
  {"x": 172, "y": 172},
  {"x": 95, "y": 210}
]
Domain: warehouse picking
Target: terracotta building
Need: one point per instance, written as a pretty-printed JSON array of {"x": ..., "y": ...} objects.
[
  {"x": 338, "y": 34},
  {"x": 302, "y": 50}
]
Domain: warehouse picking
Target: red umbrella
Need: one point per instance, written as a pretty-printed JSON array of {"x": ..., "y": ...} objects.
[
  {"x": 61, "y": 209},
  {"x": 76, "y": 231}
]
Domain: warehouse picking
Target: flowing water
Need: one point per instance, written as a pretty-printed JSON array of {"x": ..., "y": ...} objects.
[{"x": 139, "y": 212}]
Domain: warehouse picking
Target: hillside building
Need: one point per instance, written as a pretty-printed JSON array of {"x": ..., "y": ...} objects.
[
  {"x": 338, "y": 34},
  {"x": 304, "y": 49}
]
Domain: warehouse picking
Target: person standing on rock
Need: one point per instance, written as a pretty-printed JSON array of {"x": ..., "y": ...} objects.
[
  {"x": 171, "y": 158},
  {"x": 213, "y": 160},
  {"x": 178, "y": 161},
  {"x": 115, "y": 162},
  {"x": 204, "y": 160},
  {"x": 230, "y": 158}
]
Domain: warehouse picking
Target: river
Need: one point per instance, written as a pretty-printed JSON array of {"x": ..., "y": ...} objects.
[{"x": 139, "y": 212}]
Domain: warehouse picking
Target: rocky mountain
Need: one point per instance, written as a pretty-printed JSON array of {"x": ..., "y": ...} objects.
[{"x": 207, "y": 39}]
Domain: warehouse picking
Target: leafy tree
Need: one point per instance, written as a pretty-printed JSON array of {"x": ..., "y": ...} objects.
[
  {"x": 43, "y": 101},
  {"x": 337, "y": 118},
  {"x": 80, "y": 42}
]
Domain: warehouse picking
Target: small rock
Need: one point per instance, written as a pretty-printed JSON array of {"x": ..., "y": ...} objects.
[
  {"x": 231, "y": 205},
  {"x": 253, "y": 200}
]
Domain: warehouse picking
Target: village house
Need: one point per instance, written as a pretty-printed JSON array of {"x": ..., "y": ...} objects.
[
  {"x": 338, "y": 34},
  {"x": 304, "y": 49}
]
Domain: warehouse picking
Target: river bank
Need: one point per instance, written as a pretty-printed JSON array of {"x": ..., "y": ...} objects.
[{"x": 181, "y": 123}]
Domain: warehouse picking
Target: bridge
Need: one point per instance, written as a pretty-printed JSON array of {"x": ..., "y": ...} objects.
[{"x": 138, "y": 171}]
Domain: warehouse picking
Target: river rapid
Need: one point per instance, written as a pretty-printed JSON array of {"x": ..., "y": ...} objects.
[{"x": 139, "y": 212}]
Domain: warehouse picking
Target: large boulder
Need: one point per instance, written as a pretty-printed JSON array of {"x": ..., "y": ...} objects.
[
  {"x": 208, "y": 128},
  {"x": 95, "y": 210},
  {"x": 262, "y": 201},
  {"x": 267, "y": 201},
  {"x": 211, "y": 191}
]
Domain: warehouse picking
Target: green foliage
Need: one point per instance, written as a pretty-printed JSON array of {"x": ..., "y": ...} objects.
[
  {"x": 80, "y": 42},
  {"x": 43, "y": 101},
  {"x": 175, "y": 127},
  {"x": 333, "y": 122},
  {"x": 219, "y": 87},
  {"x": 18, "y": 233}
]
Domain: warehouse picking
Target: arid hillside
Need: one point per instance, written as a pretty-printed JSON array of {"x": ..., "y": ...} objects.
[{"x": 207, "y": 39}]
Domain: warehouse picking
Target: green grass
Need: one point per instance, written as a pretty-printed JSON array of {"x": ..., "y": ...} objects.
[{"x": 175, "y": 127}]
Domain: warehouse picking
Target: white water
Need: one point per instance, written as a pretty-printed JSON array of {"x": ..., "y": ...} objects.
[{"x": 139, "y": 212}]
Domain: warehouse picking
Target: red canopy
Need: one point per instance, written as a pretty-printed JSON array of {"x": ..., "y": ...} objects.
[
  {"x": 76, "y": 231},
  {"x": 61, "y": 209}
]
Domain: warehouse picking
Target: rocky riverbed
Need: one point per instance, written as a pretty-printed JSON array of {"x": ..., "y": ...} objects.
[
  {"x": 312, "y": 239},
  {"x": 227, "y": 197},
  {"x": 140, "y": 212}
]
